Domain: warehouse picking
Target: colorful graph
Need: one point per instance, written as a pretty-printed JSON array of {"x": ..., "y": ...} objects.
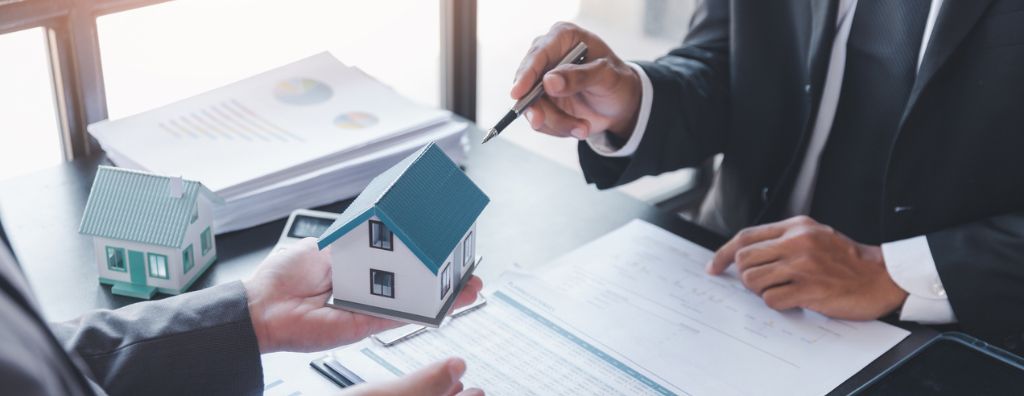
[
  {"x": 355, "y": 120},
  {"x": 302, "y": 91}
]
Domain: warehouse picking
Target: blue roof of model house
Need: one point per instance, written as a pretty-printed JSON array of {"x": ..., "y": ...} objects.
[
  {"x": 426, "y": 200},
  {"x": 137, "y": 206}
]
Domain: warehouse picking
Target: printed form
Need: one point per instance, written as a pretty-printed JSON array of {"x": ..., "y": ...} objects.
[{"x": 633, "y": 312}]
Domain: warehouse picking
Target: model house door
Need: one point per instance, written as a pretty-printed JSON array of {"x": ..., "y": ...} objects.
[{"x": 137, "y": 267}]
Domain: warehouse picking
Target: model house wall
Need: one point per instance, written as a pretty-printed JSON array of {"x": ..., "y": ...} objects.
[
  {"x": 177, "y": 280},
  {"x": 417, "y": 290}
]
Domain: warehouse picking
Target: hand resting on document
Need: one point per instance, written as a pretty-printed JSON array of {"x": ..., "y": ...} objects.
[
  {"x": 800, "y": 263},
  {"x": 286, "y": 298}
]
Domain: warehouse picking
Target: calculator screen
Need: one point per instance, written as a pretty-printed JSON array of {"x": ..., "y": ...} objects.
[{"x": 309, "y": 226}]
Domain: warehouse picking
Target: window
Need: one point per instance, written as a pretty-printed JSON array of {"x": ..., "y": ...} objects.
[
  {"x": 380, "y": 236},
  {"x": 188, "y": 259},
  {"x": 115, "y": 259},
  {"x": 446, "y": 280},
  {"x": 157, "y": 266},
  {"x": 206, "y": 240},
  {"x": 149, "y": 61},
  {"x": 29, "y": 128},
  {"x": 467, "y": 250},
  {"x": 195, "y": 214},
  {"x": 382, "y": 283}
]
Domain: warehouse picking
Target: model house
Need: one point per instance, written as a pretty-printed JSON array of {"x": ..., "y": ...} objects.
[
  {"x": 406, "y": 246},
  {"x": 150, "y": 233}
]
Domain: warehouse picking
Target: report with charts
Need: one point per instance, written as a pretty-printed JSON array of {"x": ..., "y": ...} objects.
[
  {"x": 305, "y": 134},
  {"x": 634, "y": 313}
]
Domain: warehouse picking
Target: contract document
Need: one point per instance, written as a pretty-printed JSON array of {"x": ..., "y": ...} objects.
[{"x": 633, "y": 312}]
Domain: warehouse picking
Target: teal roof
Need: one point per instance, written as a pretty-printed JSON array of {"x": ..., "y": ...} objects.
[
  {"x": 426, "y": 200},
  {"x": 137, "y": 206}
]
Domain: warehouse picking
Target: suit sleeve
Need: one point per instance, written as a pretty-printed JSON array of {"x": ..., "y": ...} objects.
[
  {"x": 200, "y": 342},
  {"x": 688, "y": 119},
  {"x": 981, "y": 265}
]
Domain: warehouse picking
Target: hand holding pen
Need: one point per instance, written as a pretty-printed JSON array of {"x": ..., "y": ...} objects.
[{"x": 600, "y": 94}]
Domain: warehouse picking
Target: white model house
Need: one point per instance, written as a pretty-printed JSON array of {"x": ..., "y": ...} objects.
[
  {"x": 150, "y": 233},
  {"x": 406, "y": 246}
]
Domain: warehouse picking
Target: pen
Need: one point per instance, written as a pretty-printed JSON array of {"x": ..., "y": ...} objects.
[{"x": 575, "y": 56}]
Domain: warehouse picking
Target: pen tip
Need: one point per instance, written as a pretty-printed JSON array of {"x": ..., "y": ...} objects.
[{"x": 490, "y": 135}]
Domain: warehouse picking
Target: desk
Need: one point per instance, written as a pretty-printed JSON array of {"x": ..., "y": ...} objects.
[{"x": 538, "y": 211}]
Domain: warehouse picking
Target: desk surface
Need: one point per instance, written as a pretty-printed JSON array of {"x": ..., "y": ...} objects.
[{"x": 539, "y": 210}]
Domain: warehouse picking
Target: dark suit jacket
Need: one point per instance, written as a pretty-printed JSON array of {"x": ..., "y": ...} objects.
[
  {"x": 746, "y": 82},
  {"x": 199, "y": 343}
]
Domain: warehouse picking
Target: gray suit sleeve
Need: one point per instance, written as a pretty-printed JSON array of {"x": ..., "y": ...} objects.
[
  {"x": 689, "y": 112},
  {"x": 200, "y": 342}
]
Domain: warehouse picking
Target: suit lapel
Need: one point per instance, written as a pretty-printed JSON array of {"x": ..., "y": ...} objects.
[{"x": 955, "y": 21}]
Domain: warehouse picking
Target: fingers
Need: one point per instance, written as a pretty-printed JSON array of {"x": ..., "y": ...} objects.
[
  {"x": 597, "y": 77},
  {"x": 762, "y": 278},
  {"x": 759, "y": 253},
  {"x": 783, "y": 297},
  {"x": 748, "y": 236},
  {"x": 438, "y": 379},
  {"x": 472, "y": 392},
  {"x": 544, "y": 54},
  {"x": 546, "y": 117},
  {"x": 469, "y": 292}
]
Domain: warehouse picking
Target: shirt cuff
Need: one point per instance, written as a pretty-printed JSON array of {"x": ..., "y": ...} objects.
[
  {"x": 600, "y": 141},
  {"x": 912, "y": 267}
]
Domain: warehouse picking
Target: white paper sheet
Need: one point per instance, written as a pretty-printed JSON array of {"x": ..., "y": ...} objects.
[
  {"x": 267, "y": 128},
  {"x": 634, "y": 313}
]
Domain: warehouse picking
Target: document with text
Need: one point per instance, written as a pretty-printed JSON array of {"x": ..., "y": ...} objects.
[{"x": 633, "y": 312}]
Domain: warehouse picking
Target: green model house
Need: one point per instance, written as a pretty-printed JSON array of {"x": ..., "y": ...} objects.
[{"x": 150, "y": 233}]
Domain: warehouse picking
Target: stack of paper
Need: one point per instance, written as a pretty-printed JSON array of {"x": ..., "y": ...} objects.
[{"x": 302, "y": 135}]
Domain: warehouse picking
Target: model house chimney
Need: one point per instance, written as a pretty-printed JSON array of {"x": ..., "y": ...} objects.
[{"x": 176, "y": 187}]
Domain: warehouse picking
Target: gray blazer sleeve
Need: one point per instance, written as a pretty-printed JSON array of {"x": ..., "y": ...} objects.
[{"x": 200, "y": 342}]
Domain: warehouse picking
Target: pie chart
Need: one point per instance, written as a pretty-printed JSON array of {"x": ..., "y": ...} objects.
[
  {"x": 302, "y": 91},
  {"x": 355, "y": 120}
]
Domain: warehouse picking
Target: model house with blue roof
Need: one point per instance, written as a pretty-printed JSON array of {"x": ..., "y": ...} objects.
[
  {"x": 407, "y": 245},
  {"x": 150, "y": 233}
]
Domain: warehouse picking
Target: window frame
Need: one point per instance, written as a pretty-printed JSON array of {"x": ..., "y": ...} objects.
[
  {"x": 468, "y": 252},
  {"x": 391, "y": 236},
  {"x": 387, "y": 274},
  {"x": 206, "y": 241},
  {"x": 188, "y": 259},
  {"x": 446, "y": 279},
  {"x": 149, "y": 266},
  {"x": 124, "y": 262},
  {"x": 77, "y": 75}
]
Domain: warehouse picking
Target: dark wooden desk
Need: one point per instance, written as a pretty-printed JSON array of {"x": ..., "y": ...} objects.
[{"x": 539, "y": 210}]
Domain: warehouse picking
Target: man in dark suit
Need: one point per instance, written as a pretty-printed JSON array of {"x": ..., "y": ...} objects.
[
  {"x": 871, "y": 148},
  {"x": 206, "y": 342}
]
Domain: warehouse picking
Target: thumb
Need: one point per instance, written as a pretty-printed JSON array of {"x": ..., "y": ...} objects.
[
  {"x": 438, "y": 379},
  {"x": 598, "y": 76}
]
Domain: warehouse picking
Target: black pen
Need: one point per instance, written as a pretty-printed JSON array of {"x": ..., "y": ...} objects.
[{"x": 576, "y": 56}]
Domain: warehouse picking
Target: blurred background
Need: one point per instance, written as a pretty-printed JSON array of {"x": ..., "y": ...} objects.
[{"x": 64, "y": 64}]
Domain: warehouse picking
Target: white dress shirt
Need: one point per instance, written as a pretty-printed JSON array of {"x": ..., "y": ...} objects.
[{"x": 909, "y": 261}]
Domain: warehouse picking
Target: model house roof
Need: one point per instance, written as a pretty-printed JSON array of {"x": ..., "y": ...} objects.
[
  {"x": 141, "y": 207},
  {"x": 426, "y": 200}
]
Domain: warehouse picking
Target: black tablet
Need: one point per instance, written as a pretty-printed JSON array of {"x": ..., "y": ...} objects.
[{"x": 952, "y": 364}]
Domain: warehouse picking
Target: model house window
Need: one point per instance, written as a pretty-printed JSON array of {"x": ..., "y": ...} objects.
[
  {"x": 157, "y": 266},
  {"x": 382, "y": 283},
  {"x": 380, "y": 236},
  {"x": 446, "y": 280},
  {"x": 206, "y": 240},
  {"x": 115, "y": 259},
  {"x": 467, "y": 250},
  {"x": 188, "y": 259}
]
